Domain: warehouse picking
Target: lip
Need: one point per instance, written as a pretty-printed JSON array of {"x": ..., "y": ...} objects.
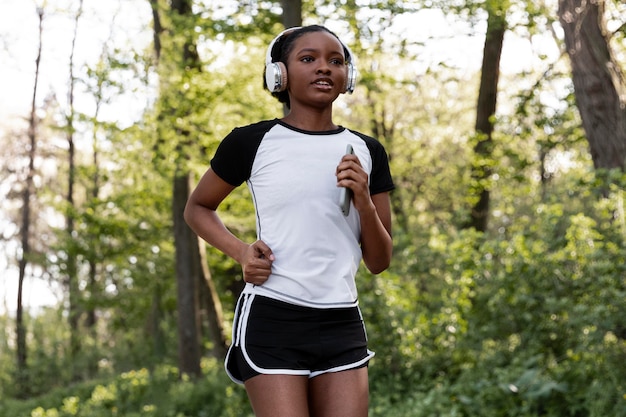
[{"x": 323, "y": 83}]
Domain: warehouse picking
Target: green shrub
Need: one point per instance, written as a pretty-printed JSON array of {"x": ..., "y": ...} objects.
[{"x": 142, "y": 393}]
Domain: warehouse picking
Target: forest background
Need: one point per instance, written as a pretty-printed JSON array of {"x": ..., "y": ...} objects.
[{"x": 506, "y": 296}]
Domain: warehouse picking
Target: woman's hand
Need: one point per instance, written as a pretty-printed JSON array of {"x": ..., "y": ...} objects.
[
  {"x": 350, "y": 174},
  {"x": 256, "y": 263}
]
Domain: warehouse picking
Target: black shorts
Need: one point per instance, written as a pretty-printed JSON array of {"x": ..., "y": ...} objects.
[{"x": 274, "y": 337}]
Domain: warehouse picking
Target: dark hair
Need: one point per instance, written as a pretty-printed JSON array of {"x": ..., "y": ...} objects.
[{"x": 284, "y": 46}]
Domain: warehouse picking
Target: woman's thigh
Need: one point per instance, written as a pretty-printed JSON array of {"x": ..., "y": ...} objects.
[
  {"x": 278, "y": 395},
  {"x": 344, "y": 394}
]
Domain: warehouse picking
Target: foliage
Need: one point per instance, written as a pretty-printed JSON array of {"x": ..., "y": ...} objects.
[
  {"x": 157, "y": 393},
  {"x": 529, "y": 323},
  {"x": 525, "y": 324}
]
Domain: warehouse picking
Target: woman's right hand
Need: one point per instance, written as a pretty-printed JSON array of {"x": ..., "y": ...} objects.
[{"x": 257, "y": 263}]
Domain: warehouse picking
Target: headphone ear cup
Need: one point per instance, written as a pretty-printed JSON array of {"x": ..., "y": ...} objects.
[
  {"x": 276, "y": 77},
  {"x": 350, "y": 79}
]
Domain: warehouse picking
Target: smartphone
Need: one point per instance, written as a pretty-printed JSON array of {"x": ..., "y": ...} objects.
[{"x": 346, "y": 193}]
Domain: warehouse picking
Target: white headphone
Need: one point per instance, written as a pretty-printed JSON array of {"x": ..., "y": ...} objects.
[{"x": 276, "y": 72}]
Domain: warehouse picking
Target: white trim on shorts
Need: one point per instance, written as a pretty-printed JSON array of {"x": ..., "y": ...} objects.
[{"x": 239, "y": 339}]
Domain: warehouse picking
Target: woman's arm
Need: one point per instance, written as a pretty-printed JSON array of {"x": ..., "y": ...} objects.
[
  {"x": 374, "y": 211},
  {"x": 376, "y": 241},
  {"x": 200, "y": 214}
]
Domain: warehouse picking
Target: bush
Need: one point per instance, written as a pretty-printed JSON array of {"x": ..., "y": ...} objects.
[
  {"x": 525, "y": 323},
  {"x": 142, "y": 393}
]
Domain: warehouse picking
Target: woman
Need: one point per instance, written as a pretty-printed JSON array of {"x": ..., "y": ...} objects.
[{"x": 299, "y": 344}]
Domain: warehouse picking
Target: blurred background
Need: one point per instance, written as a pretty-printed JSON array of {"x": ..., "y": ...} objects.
[{"x": 505, "y": 124}]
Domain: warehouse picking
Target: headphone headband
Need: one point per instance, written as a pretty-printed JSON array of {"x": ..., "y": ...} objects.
[{"x": 268, "y": 55}]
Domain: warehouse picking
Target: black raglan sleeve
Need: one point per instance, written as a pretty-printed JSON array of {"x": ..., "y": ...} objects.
[
  {"x": 380, "y": 177},
  {"x": 235, "y": 155}
]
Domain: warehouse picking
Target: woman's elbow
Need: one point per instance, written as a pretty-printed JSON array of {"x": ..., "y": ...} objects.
[
  {"x": 376, "y": 269},
  {"x": 378, "y": 264},
  {"x": 188, "y": 213}
]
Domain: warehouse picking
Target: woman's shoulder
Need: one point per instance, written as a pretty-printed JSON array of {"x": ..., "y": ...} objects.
[
  {"x": 236, "y": 152},
  {"x": 257, "y": 127},
  {"x": 371, "y": 142}
]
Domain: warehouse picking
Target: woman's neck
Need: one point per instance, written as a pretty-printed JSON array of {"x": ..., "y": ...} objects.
[{"x": 310, "y": 120}]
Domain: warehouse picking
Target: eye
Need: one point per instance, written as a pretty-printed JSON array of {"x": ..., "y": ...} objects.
[
  {"x": 307, "y": 58},
  {"x": 336, "y": 61}
]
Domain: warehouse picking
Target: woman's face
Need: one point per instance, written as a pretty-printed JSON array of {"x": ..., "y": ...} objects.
[{"x": 316, "y": 70}]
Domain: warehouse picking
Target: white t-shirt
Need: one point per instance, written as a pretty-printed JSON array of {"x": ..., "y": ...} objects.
[{"x": 291, "y": 177}]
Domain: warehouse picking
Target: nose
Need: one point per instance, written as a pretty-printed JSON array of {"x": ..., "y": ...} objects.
[{"x": 323, "y": 67}]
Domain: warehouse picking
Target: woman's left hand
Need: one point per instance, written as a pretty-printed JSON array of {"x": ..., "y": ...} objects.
[{"x": 351, "y": 174}]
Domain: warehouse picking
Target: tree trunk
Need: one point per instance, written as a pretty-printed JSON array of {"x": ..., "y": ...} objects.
[
  {"x": 195, "y": 286},
  {"x": 156, "y": 313},
  {"x": 291, "y": 17},
  {"x": 72, "y": 267},
  {"x": 292, "y": 13},
  {"x": 21, "y": 381},
  {"x": 485, "y": 111},
  {"x": 186, "y": 246},
  {"x": 185, "y": 241},
  {"x": 599, "y": 84},
  {"x": 92, "y": 257},
  {"x": 157, "y": 28},
  {"x": 191, "y": 269},
  {"x": 212, "y": 304}
]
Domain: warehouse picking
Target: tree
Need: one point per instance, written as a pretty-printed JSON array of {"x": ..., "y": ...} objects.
[
  {"x": 485, "y": 112},
  {"x": 599, "y": 83},
  {"x": 186, "y": 264},
  {"x": 192, "y": 277},
  {"x": 72, "y": 277},
  {"x": 292, "y": 12},
  {"x": 292, "y": 16},
  {"x": 25, "y": 230}
]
